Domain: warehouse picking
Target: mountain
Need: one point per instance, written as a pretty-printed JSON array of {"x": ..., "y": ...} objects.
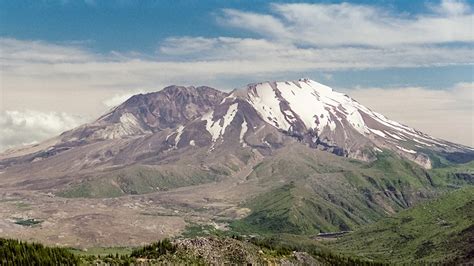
[
  {"x": 291, "y": 156},
  {"x": 151, "y": 113},
  {"x": 263, "y": 116},
  {"x": 266, "y": 115}
]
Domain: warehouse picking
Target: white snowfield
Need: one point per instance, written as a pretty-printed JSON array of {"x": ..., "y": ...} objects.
[{"x": 267, "y": 104}]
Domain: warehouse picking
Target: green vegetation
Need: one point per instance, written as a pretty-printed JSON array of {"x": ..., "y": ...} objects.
[
  {"x": 13, "y": 252},
  {"x": 440, "y": 230},
  {"x": 446, "y": 159},
  {"x": 329, "y": 193},
  {"x": 155, "y": 250},
  {"x": 199, "y": 230},
  {"x": 202, "y": 251},
  {"x": 23, "y": 206},
  {"x": 27, "y": 222},
  {"x": 141, "y": 180},
  {"x": 284, "y": 244},
  {"x": 454, "y": 176},
  {"x": 102, "y": 251},
  {"x": 308, "y": 194},
  {"x": 292, "y": 209}
]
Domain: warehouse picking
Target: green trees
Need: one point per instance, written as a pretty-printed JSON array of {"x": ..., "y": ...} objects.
[
  {"x": 14, "y": 252},
  {"x": 155, "y": 250}
]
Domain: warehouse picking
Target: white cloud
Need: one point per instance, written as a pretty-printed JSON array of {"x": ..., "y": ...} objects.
[
  {"x": 350, "y": 24},
  {"x": 447, "y": 114},
  {"x": 451, "y": 7},
  {"x": 28, "y": 127},
  {"x": 267, "y": 56},
  {"x": 15, "y": 52},
  {"x": 261, "y": 23}
]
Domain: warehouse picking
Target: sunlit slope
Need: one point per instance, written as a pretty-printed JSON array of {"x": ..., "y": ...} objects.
[{"x": 441, "y": 230}]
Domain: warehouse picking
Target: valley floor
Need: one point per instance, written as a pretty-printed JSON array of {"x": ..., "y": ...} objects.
[{"x": 124, "y": 221}]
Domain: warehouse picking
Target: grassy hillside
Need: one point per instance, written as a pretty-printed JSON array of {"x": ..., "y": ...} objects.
[
  {"x": 292, "y": 209},
  {"x": 441, "y": 230},
  {"x": 313, "y": 192},
  {"x": 140, "y": 180},
  {"x": 454, "y": 175},
  {"x": 192, "y": 169}
]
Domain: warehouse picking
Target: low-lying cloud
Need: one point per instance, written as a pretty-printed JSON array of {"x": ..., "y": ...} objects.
[
  {"x": 446, "y": 114},
  {"x": 19, "y": 128}
]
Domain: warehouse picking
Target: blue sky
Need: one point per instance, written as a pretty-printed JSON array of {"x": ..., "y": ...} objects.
[
  {"x": 71, "y": 60},
  {"x": 103, "y": 26}
]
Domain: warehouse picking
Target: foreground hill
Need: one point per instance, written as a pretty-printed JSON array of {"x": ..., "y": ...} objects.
[
  {"x": 441, "y": 230},
  {"x": 209, "y": 250}
]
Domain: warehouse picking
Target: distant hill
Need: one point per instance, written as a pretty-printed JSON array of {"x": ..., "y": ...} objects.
[{"x": 441, "y": 230}]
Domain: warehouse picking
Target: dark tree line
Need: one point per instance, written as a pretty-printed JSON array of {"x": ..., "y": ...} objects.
[
  {"x": 15, "y": 252},
  {"x": 155, "y": 250}
]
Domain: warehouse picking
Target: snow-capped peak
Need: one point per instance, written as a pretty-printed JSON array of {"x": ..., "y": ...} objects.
[
  {"x": 311, "y": 108},
  {"x": 317, "y": 106},
  {"x": 265, "y": 116}
]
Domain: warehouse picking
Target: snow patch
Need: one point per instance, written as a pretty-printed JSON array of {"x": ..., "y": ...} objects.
[
  {"x": 242, "y": 132},
  {"x": 230, "y": 97},
  {"x": 357, "y": 122},
  {"x": 179, "y": 131},
  {"x": 421, "y": 142},
  {"x": 395, "y": 136},
  {"x": 406, "y": 150},
  {"x": 214, "y": 127},
  {"x": 267, "y": 104},
  {"x": 378, "y": 132}
]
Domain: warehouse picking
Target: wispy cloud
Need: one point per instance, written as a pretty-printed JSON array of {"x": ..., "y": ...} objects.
[{"x": 350, "y": 24}]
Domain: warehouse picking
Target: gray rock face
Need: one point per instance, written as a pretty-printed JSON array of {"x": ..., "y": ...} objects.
[
  {"x": 149, "y": 113},
  {"x": 168, "y": 108}
]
